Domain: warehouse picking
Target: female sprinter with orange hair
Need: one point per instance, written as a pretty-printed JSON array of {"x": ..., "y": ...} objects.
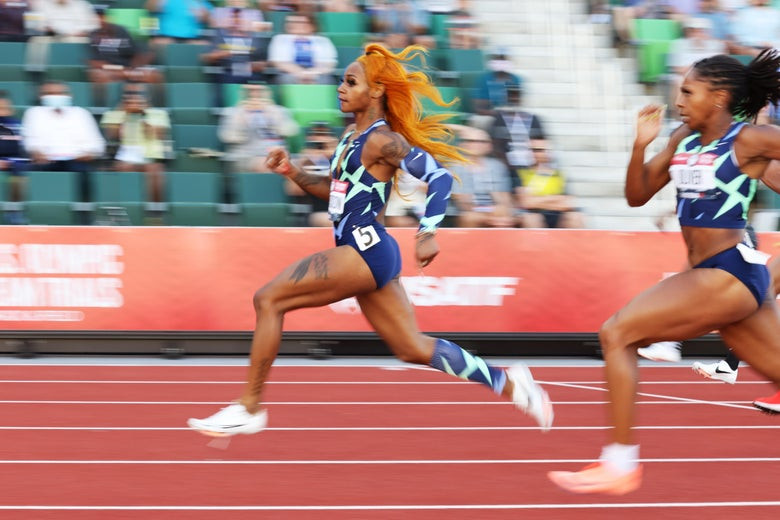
[{"x": 389, "y": 133}]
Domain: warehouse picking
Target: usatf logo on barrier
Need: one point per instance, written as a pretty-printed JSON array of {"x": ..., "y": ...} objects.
[{"x": 462, "y": 291}]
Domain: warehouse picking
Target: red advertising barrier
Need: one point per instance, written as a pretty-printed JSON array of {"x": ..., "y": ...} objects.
[{"x": 203, "y": 279}]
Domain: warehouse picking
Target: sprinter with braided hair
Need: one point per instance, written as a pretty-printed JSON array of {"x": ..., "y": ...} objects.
[
  {"x": 711, "y": 158},
  {"x": 389, "y": 133}
]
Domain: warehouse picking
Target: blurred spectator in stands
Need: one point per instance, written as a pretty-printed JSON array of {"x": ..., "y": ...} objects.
[
  {"x": 300, "y": 55},
  {"x": 240, "y": 54},
  {"x": 512, "y": 130},
  {"x": 253, "y": 126},
  {"x": 339, "y": 6},
  {"x": 12, "y": 20},
  {"x": 406, "y": 203},
  {"x": 541, "y": 189},
  {"x": 755, "y": 27},
  {"x": 141, "y": 137},
  {"x": 463, "y": 30},
  {"x": 290, "y": 6},
  {"x": 483, "y": 197},
  {"x": 60, "y": 137},
  {"x": 58, "y": 21},
  {"x": 12, "y": 157},
  {"x": 320, "y": 144},
  {"x": 491, "y": 88},
  {"x": 179, "y": 20},
  {"x": 720, "y": 23},
  {"x": 116, "y": 57},
  {"x": 697, "y": 43},
  {"x": 252, "y": 18},
  {"x": 401, "y": 22}
]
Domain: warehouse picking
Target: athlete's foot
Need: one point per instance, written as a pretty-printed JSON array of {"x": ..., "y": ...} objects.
[
  {"x": 662, "y": 351},
  {"x": 770, "y": 405},
  {"x": 720, "y": 371},
  {"x": 230, "y": 420},
  {"x": 529, "y": 397},
  {"x": 598, "y": 477}
]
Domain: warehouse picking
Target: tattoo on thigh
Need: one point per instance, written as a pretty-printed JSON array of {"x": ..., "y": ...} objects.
[{"x": 319, "y": 264}]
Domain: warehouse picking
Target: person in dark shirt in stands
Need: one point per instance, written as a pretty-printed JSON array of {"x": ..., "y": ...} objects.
[
  {"x": 12, "y": 20},
  {"x": 116, "y": 57},
  {"x": 12, "y": 159}
]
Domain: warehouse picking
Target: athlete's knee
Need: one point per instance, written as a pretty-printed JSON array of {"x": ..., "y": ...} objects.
[
  {"x": 611, "y": 335},
  {"x": 265, "y": 300}
]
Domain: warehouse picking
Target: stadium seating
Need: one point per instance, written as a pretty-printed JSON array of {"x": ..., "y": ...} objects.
[
  {"x": 67, "y": 61},
  {"x": 50, "y": 197},
  {"x": 262, "y": 200},
  {"x": 12, "y": 61},
  {"x": 653, "y": 38},
  {"x": 123, "y": 190},
  {"x": 193, "y": 198}
]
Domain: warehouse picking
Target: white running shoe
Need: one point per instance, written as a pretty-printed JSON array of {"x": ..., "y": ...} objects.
[
  {"x": 662, "y": 351},
  {"x": 529, "y": 397},
  {"x": 720, "y": 371},
  {"x": 230, "y": 420}
]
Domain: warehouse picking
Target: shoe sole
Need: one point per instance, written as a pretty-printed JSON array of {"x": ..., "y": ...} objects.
[
  {"x": 768, "y": 411},
  {"x": 197, "y": 425}
]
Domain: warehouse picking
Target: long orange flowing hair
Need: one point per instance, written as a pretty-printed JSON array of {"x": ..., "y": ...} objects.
[{"x": 403, "y": 109}]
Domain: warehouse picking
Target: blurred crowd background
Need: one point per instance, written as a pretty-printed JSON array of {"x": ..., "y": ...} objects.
[{"x": 160, "y": 112}]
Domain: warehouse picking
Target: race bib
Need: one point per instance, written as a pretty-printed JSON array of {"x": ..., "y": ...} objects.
[
  {"x": 338, "y": 195},
  {"x": 365, "y": 237},
  {"x": 752, "y": 256},
  {"x": 693, "y": 174}
]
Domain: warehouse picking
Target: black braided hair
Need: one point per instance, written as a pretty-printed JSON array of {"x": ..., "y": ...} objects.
[{"x": 751, "y": 86}]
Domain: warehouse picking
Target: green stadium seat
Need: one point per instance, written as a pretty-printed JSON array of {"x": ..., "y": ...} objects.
[
  {"x": 125, "y": 190},
  {"x": 183, "y": 54},
  {"x": 193, "y": 198},
  {"x": 309, "y": 96},
  {"x": 347, "y": 55},
  {"x": 305, "y": 116},
  {"x": 12, "y": 53},
  {"x": 653, "y": 38},
  {"x": 135, "y": 20},
  {"x": 67, "y": 61},
  {"x": 180, "y": 95},
  {"x": 347, "y": 39},
  {"x": 129, "y": 4},
  {"x": 448, "y": 94},
  {"x": 192, "y": 116},
  {"x": 81, "y": 92},
  {"x": 195, "y": 136},
  {"x": 263, "y": 200},
  {"x": 49, "y": 197},
  {"x": 463, "y": 60},
  {"x": 22, "y": 93},
  {"x": 277, "y": 19},
  {"x": 335, "y": 22},
  {"x": 12, "y": 61},
  {"x": 189, "y": 74}
]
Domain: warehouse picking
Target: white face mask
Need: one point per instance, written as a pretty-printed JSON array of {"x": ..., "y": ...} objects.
[
  {"x": 500, "y": 65},
  {"x": 56, "y": 100}
]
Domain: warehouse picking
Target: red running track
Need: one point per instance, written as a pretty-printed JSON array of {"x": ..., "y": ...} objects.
[{"x": 110, "y": 442}]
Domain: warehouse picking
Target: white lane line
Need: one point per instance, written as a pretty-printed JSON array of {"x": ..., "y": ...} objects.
[
  {"x": 387, "y": 428},
  {"x": 675, "y": 399},
  {"x": 452, "y": 381},
  {"x": 403, "y": 507},
  {"x": 378, "y": 462},
  {"x": 347, "y": 403}
]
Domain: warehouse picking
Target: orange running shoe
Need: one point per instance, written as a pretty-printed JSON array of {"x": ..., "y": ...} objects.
[
  {"x": 769, "y": 404},
  {"x": 597, "y": 478}
]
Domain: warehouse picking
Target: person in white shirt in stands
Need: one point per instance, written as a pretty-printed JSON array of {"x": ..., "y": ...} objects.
[
  {"x": 60, "y": 137},
  {"x": 300, "y": 55},
  {"x": 58, "y": 21}
]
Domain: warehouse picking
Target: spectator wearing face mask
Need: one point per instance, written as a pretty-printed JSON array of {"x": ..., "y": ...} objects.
[
  {"x": 491, "y": 88},
  {"x": 60, "y": 137}
]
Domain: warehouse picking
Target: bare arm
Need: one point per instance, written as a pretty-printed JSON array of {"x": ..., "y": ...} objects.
[
  {"x": 278, "y": 161},
  {"x": 645, "y": 179},
  {"x": 756, "y": 149}
]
